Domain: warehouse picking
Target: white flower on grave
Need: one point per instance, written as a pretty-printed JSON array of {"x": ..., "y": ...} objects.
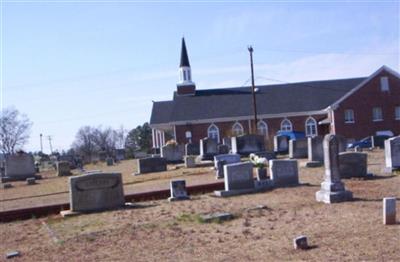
[{"x": 259, "y": 162}]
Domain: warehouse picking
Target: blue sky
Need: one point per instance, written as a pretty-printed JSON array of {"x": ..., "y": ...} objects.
[{"x": 72, "y": 64}]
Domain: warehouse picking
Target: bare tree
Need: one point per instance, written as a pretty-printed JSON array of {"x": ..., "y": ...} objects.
[
  {"x": 14, "y": 130},
  {"x": 120, "y": 139},
  {"x": 84, "y": 143}
]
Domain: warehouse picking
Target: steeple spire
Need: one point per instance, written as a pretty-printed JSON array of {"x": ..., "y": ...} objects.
[
  {"x": 185, "y": 85},
  {"x": 184, "y": 55}
]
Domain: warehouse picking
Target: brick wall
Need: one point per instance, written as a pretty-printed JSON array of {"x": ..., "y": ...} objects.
[
  {"x": 199, "y": 131},
  {"x": 362, "y": 101}
]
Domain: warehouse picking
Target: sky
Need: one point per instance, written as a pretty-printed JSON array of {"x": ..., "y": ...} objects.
[{"x": 67, "y": 64}]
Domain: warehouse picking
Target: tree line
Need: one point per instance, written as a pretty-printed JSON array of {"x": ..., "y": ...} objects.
[{"x": 89, "y": 141}]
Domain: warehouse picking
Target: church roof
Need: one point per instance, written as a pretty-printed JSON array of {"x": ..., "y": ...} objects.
[
  {"x": 237, "y": 102},
  {"x": 184, "y": 55}
]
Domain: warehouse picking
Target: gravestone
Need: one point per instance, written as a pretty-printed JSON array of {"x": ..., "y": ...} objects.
[
  {"x": 178, "y": 190},
  {"x": 352, "y": 164},
  {"x": 392, "y": 153},
  {"x": 19, "y": 166},
  {"x": 227, "y": 141},
  {"x": 95, "y": 192},
  {"x": 69, "y": 158},
  {"x": 221, "y": 160},
  {"x": 192, "y": 149},
  {"x": 238, "y": 179},
  {"x": 389, "y": 211},
  {"x": 222, "y": 149},
  {"x": 109, "y": 161},
  {"x": 208, "y": 148},
  {"x": 342, "y": 141},
  {"x": 261, "y": 174},
  {"x": 284, "y": 172},
  {"x": 190, "y": 161},
  {"x": 140, "y": 154},
  {"x": 119, "y": 154},
  {"x": 315, "y": 149},
  {"x": 151, "y": 164},
  {"x": 172, "y": 153},
  {"x": 247, "y": 144},
  {"x": 298, "y": 148},
  {"x": 300, "y": 242},
  {"x": 332, "y": 189},
  {"x": 63, "y": 168},
  {"x": 30, "y": 181},
  {"x": 102, "y": 156},
  {"x": 281, "y": 144},
  {"x": 269, "y": 155}
]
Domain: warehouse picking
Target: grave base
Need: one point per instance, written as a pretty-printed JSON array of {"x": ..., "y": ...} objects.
[
  {"x": 228, "y": 193},
  {"x": 172, "y": 199},
  {"x": 70, "y": 213},
  {"x": 329, "y": 197},
  {"x": 312, "y": 164},
  {"x": 21, "y": 178},
  {"x": 389, "y": 170}
]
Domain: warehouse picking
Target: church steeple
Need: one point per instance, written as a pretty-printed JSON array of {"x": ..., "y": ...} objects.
[
  {"x": 184, "y": 55},
  {"x": 185, "y": 86}
]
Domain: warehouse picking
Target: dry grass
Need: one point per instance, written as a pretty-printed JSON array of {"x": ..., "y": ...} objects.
[
  {"x": 163, "y": 231},
  {"x": 54, "y": 189}
]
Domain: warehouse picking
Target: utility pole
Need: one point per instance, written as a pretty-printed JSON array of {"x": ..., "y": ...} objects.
[
  {"x": 250, "y": 48},
  {"x": 51, "y": 148},
  {"x": 41, "y": 143}
]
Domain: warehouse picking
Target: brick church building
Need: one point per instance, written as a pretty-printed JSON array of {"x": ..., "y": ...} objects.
[{"x": 353, "y": 107}]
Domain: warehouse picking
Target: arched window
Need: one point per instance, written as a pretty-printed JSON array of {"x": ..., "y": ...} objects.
[
  {"x": 311, "y": 127},
  {"x": 262, "y": 128},
  {"x": 286, "y": 125},
  {"x": 213, "y": 132},
  {"x": 237, "y": 129}
]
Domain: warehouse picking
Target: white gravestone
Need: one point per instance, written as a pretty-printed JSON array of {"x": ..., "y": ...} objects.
[
  {"x": 332, "y": 189},
  {"x": 392, "y": 153},
  {"x": 389, "y": 211}
]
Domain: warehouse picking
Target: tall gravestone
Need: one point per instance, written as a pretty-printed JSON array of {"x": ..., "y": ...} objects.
[
  {"x": 208, "y": 148},
  {"x": 247, "y": 144},
  {"x": 192, "y": 149},
  {"x": 227, "y": 141},
  {"x": 392, "y": 153},
  {"x": 95, "y": 192},
  {"x": 281, "y": 144},
  {"x": 342, "y": 142},
  {"x": 332, "y": 188},
  {"x": 298, "y": 148},
  {"x": 19, "y": 166},
  {"x": 315, "y": 149}
]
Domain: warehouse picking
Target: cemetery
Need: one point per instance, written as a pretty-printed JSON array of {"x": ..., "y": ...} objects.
[{"x": 267, "y": 204}]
